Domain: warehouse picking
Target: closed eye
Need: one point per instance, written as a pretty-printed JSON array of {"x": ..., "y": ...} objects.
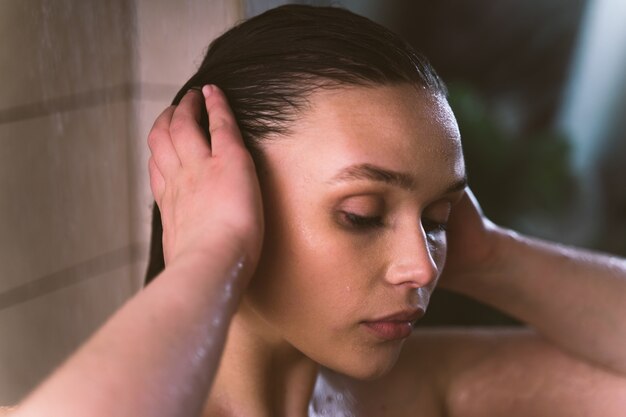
[{"x": 361, "y": 222}]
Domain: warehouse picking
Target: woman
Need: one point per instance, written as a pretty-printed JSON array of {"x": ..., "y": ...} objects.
[{"x": 360, "y": 166}]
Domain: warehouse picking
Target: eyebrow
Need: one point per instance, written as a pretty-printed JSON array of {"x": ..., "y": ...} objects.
[{"x": 397, "y": 179}]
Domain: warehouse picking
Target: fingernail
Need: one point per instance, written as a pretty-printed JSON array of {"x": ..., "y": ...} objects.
[
  {"x": 207, "y": 90},
  {"x": 193, "y": 89}
]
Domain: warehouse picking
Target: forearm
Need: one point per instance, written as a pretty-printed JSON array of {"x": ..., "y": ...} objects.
[
  {"x": 574, "y": 298},
  {"x": 156, "y": 356}
]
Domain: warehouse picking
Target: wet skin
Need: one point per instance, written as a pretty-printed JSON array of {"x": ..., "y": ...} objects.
[
  {"x": 572, "y": 365},
  {"x": 356, "y": 198},
  {"x": 345, "y": 243}
]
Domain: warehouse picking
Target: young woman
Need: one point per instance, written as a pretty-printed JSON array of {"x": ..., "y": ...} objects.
[{"x": 346, "y": 134}]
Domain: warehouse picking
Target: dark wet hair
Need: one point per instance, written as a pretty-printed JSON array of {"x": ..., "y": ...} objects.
[{"x": 270, "y": 64}]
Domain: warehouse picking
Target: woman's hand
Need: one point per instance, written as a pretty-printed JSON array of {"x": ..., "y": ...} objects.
[
  {"x": 573, "y": 298},
  {"x": 204, "y": 192},
  {"x": 472, "y": 244}
]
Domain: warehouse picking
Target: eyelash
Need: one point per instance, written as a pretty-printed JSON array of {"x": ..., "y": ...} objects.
[
  {"x": 432, "y": 226},
  {"x": 363, "y": 222}
]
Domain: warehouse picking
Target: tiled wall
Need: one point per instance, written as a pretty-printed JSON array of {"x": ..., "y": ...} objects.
[{"x": 81, "y": 85}]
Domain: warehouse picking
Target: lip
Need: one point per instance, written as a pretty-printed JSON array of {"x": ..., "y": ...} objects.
[{"x": 394, "y": 326}]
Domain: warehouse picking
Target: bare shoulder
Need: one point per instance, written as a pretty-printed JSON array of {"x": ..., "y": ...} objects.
[
  {"x": 513, "y": 372},
  {"x": 488, "y": 372}
]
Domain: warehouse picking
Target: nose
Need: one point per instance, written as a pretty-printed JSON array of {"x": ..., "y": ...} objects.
[{"x": 412, "y": 262}]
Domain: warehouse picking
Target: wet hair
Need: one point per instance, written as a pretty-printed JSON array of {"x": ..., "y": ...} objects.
[{"x": 270, "y": 64}]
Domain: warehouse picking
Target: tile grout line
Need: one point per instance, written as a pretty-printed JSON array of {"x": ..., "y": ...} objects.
[
  {"x": 72, "y": 275},
  {"x": 91, "y": 98}
]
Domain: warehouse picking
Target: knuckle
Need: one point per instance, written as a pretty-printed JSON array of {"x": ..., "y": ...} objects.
[
  {"x": 152, "y": 166},
  {"x": 177, "y": 127},
  {"x": 216, "y": 107},
  {"x": 153, "y": 139},
  {"x": 219, "y": 123}
]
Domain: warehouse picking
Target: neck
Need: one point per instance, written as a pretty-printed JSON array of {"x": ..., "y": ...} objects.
[{"x": 260, "y": 374}]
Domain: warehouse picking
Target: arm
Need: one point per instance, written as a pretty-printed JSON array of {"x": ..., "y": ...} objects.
[
  {"x": 495, "y": 372},
  {"x": 158, "y": 354},
  {"x": 563, "y": 369},
  {"x": 572, "y": 365},
  {"x": 483, "y": 372},
  {"x": 574, "y": 298}
]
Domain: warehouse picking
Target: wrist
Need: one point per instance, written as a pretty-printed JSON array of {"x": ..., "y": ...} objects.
[
  {"x": 494, "y": 260},
  {"x": 216, "y": 258},
  {"x": 217, "y": 279},
  {"x": 220, "y": 241},
  {"x": 500, "y": 254}
]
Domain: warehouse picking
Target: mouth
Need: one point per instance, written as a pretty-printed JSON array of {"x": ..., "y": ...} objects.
[{"x": 395, "y": 326}]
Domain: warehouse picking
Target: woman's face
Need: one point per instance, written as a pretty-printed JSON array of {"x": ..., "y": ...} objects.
[{"x": 356, "y": 200}]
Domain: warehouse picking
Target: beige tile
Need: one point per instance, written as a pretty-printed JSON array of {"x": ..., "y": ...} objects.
[
  {"x": 38, "y": 335},
  {"x": 173, "y": 36},
  {"x": 64, "y": 194},
  {"x": 57, "y": 48},
  {"x": 171, "y": 41}
]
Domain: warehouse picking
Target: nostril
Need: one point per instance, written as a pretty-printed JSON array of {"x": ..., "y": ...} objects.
[{"x": 414, "y": 259}]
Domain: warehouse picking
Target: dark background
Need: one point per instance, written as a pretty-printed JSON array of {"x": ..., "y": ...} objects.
[{"x": 508, "y": 66}]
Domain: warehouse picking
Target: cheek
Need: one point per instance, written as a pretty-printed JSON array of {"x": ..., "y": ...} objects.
[
  {"x": 315, "y": 274},
  {"x": 304, "y": 272}
]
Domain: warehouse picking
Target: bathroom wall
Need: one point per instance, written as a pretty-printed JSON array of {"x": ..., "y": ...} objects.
[{"x": 81, "y": 84}]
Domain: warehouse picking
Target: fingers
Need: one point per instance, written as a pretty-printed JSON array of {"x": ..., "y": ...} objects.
[
  {"x": 469, "y": 195},
  {"x": 157, "y": 182},
  {"x": 468, "y": 215},
  {"x": 176, "y": 138},
  {"x": 469, "y": 202},
  {"x": 188, "y": 138},
  {"x": 225, "y": 134},
  {"x": 160, "y": 144}
]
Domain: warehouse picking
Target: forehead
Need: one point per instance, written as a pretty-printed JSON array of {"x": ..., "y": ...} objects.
[
  {"x": 400, "y": 127},
  {"x": 393, "y": 108}
]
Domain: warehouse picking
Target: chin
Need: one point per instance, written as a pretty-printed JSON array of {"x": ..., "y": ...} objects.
[{"x": 368, "y": 367}]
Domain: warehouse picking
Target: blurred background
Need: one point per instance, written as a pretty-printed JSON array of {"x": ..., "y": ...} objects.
[{"x": 538, "y": 87}]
